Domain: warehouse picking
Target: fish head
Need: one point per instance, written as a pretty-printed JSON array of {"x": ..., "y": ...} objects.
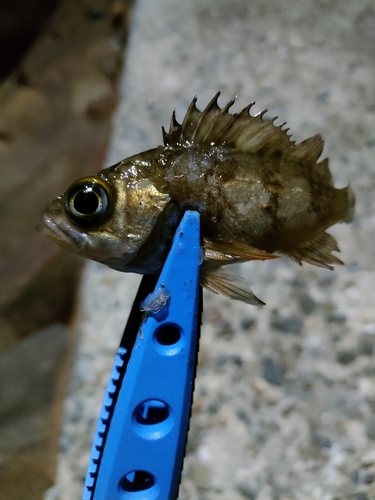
[{"x": 106, "y": 217}]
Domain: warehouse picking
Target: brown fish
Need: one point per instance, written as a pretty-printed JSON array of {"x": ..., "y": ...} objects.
[{"x": 258, "y": 194}]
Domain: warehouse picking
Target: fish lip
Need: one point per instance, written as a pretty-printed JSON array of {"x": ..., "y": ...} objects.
[{"x": 49, "y": 227}]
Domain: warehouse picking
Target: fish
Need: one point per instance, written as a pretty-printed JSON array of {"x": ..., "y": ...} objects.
[{"x": 260, "y": 195}]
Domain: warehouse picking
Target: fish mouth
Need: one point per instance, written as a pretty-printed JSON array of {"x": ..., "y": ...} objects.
[{"x": 49, "y": 227}]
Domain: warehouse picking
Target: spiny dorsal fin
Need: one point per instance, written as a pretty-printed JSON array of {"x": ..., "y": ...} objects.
[{"x": 241, "y": 131}]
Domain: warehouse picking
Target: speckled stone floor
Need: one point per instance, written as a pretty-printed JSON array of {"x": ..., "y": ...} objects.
[{"x": 285, "y": 394}]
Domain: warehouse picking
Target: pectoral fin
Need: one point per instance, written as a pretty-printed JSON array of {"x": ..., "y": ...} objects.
[
  {"x": 235, "y": 252},
  {"x": 228, "y": 284}
]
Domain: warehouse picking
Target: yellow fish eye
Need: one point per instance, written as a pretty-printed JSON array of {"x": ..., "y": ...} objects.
[{"x": 87, "y": 201}]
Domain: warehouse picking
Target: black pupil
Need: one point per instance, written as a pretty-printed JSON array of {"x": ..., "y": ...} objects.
[{"x": 86, "y": 202}]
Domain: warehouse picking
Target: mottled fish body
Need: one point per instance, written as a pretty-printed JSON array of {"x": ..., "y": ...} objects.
[{"x": 258, "y": 193}]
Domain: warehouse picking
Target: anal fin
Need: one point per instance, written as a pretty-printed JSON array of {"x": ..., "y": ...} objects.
[
  {"x": 317, "y": 252},
  {"x": 228, "y": 284}
]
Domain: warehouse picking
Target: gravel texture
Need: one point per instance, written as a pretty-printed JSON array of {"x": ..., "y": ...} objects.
[{"x": 285, "y": 394}]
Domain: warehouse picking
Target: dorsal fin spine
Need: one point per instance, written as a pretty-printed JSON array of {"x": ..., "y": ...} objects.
[
  {"x": 221, "y": 116},
  {"x": 188, "y": 120},
  {"x": 174, "y": 129},
  {"x": 174, "y": 122},
  {"x": 212, "y": 107}
]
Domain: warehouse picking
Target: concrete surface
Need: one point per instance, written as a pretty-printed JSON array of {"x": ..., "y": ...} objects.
[{"x": 285, "y": 394}]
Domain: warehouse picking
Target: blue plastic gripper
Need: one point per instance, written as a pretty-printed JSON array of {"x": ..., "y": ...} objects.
[{"x": 138, "y": 449}]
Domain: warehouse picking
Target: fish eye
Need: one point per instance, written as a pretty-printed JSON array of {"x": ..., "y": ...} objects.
[{"x": 87, "y": 201}]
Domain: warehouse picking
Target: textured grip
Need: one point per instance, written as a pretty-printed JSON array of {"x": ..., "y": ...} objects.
[{"x": 105, "y": 416}]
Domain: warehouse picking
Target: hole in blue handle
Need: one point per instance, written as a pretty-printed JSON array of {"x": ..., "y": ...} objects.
[
  {"x": 152, "y": 419},
  {"x": 168, "y": 334},
  {"x": 151, "y": 412},
  {"x": 137, "y": 480}
]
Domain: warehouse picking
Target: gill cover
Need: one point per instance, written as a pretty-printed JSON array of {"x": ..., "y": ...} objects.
[{"x": 144, "y": 203}]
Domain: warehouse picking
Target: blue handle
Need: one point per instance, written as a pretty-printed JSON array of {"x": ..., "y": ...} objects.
[{"x": 139, "y": 446}]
